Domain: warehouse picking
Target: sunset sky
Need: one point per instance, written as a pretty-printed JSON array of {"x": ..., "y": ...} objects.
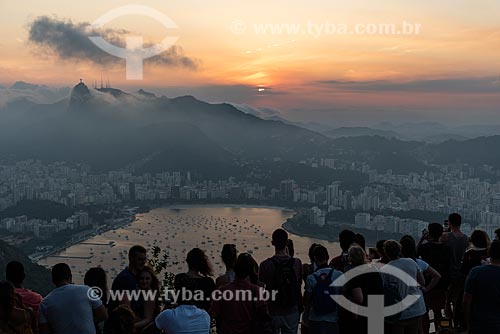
[{"x": 448, "y": 72}]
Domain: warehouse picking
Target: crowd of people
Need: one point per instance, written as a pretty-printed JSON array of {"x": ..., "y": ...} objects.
[{"x": 457, "y": 288}]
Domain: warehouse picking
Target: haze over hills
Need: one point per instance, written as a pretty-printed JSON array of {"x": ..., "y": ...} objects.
[{"x": 112, "y": 129}]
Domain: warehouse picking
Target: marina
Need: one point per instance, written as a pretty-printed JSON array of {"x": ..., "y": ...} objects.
[{"x": 176, "y": 230}]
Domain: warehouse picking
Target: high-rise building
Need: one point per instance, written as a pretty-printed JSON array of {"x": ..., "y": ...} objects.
[
  {"x": 332, "y": 194},
  {"x": 286, "y": 189},
  {"x": 131, "y": 190},
  {"x": 362, "y": 220}
]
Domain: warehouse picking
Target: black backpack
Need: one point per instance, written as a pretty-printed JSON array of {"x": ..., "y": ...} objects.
[{"x": 285, "y": 282}]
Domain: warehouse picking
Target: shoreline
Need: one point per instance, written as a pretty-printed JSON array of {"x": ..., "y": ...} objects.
[
  {"x": 97, "y": 231},
  {"x": 233, "y": 206},
  {"x": 287, "y": 226}
]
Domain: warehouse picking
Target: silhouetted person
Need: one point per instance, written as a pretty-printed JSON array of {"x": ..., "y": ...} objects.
[
  {"x": 482, "y": 295},
  {"x": 229, "y": 254},
  {"x": 409, "y": 251},
  {"x": 322, "y": 309},
  {"x": 282, "y": 273},
  {"x": 308, "y": 269},
  {"x": 341, "y": 262},
  {"x": 241, "y": 316},
  {"x": 497, "y": 234},
  {"x": 69, "y": 308},
  {"x": 477, "y": 254},
  {"x": 186, "y": 318},
  {"x": 13, "y": 317},
  {"x": 14, "y": 273},
  {"x": 358, "y": 289},
  {"x": 410, "y": 319},
  {"x": 439, "y": 257},
  {"x": 360, "y": 240},
  {"x": 147, "y": 308},
  {"x": 96, "y": 278},
  {"x": 200, "y": 271},
  {"x": 382, "y": 259},
  {"x": 458, "y": 243},
  {"x": 127, "y": 278}
]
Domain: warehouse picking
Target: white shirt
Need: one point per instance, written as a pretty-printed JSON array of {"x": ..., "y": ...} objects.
[{"x": 184, "y": 319}]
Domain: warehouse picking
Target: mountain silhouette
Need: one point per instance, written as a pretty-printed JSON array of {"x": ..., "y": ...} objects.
[{"x": 113, "y": 129}]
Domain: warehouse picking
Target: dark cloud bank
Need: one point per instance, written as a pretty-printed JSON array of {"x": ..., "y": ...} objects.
[{"x": 70, "y": 41}]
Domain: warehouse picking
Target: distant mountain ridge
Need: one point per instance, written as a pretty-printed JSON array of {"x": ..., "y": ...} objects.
[{"x": 111, "y": 129}]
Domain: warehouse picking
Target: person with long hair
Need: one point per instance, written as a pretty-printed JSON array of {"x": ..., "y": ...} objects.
[
  {"x": 14, "y": 273},
  {"x": 13, "y": 318},
  {"x": 147, "y": 308},
  {"x": 432, "y": 277},
  {"x": 228, "y": 255},
  {"x": 201, "y": 272},
  {"x": 96, "y": 278}
]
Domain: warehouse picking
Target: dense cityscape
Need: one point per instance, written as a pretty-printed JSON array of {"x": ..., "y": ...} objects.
[{"x": 451, "y": 188}]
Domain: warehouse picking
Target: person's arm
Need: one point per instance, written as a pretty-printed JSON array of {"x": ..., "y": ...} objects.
[
  {"x": 420, "y": 279},
  {"x": 307, "y": 301},
  {"x": 435, "y": 277},
  {"x": 100, "y": 314},
  {"x": 149, "y": 309},
  {"x": 310, "y": 282}
]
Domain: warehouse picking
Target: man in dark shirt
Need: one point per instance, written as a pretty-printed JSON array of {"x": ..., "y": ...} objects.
[
  {"x": 341, "y": 262},
  {"x": 127, "y": 278},
  {"x": 438, "y": 256},
  {"x": 482, "y": 295},
  {"x": 458, "y": 243},
  {"x": 285, "y": 316}
]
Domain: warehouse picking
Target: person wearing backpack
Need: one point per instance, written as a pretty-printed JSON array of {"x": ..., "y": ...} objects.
[
  {"x": 322, "y": 309},
  {"x": 282, "y": 274}
]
